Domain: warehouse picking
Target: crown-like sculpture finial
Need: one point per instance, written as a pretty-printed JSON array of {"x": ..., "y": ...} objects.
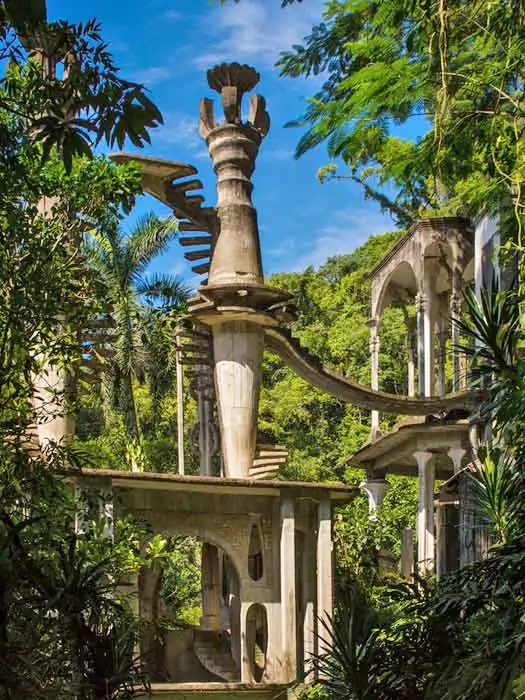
[{"x": 232, "y": 81}]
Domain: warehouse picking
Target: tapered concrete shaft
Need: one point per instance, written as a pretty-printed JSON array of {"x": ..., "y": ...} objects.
[
  {"x": 236, "y": 283},
  {"x": 238, "y": 349}
]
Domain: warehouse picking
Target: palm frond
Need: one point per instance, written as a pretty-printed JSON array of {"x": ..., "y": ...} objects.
[
  {"x": 495, "y": 487},
  {"x": 149, "y": 238},
  {"x": 164, "y": 289}
]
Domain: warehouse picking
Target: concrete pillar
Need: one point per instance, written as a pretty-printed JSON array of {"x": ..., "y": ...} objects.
[
  {"x": 428, "y": 336},
  {"x": 421, "y": 306},
  {"x": 211, "y": 588},
  {"x": 288, "y": 590},
  {"x": 238, "y": 349},
  {"x": 456, "y": 455},
  {"x": 407, "y": 554},
  {"x": 246, "y": 671},
  {"x": 442, "y": 340},
  {"x": 180, "y": 413},
  {"x": 309, "y": 596},
  {"x": 455, "y": 311},
  {"x": 324, "y": 571},
  {"x": 235, "y": 281},
  {"x": 373, "y": 324},
  {"x": 55, "y": 423},
  {"x": 375, "y": 489},
  {"x": 411, "y": 363},
  {"x": 425, "y": 516}
]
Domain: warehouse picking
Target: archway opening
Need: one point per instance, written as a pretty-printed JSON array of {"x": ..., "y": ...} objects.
[
  {"x": 257, "y": 640},
  {"x": 190, "y": 603}
]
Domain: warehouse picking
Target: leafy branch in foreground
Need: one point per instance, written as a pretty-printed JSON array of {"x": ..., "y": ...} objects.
[
  {"x": 62, "y": 81},
  {"x": 420, "y": 98}
]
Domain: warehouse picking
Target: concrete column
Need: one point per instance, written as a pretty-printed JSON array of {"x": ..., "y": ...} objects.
[
  {"x": 324, "y": 570},
  {"x": 373, "y": 324},
  {"x": 211, "y": 588},
  {"x": 180, "y": 413},
  {"x": 246, "y": 671},
  {"x": 428, "y": 336},
  {"x": 421, "y": 306},
  {"x": 235, "y": 283},
  {"x": 238, "y": 349},
  {"x": 442, "y": 340},
  {"x": 407, "y": 554},
  {"x": 288, "y": 589},
  {"x": 53, "y": 387},
  {"x": 455, "y": 311},
  {"x": 376, "y": 490},
  {"x": 411, "y": 363},
  {"x": 456, "y": 455},
  {"x": 425, "y": 516},
  {"x": 309, "y": 595}
]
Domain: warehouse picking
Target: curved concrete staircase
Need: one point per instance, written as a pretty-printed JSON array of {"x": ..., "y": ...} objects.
[{"x": 213, "y": 651}]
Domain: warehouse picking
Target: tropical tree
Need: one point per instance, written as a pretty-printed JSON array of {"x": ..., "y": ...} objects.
[
  {"x": 65, "y": 629},
  {"x": 421, "y": 100},
  {"x": 84, "y": 102},
  {"x": 133, "y": 302}
]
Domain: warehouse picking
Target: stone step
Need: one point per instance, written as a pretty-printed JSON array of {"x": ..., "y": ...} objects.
[{"x": 214, "y": 653}]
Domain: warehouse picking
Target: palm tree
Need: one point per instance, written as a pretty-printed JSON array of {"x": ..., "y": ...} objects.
[{"x": 130, "y": 300}]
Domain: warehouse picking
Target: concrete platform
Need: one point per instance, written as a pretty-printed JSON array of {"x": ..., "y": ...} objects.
[{"x": 218, "y": 691}]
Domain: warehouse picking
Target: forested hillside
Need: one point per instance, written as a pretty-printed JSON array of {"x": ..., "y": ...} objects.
[
  {"x": 333, "y": 306},
  {"x": 319, "y": 431}
]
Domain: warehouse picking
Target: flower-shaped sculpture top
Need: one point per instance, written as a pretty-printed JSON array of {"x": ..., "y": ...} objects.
[
  {"x": 232, "y": 81},
  {"x": 243, "y": 77}
]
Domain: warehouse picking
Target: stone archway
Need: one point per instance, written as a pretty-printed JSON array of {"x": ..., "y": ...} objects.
[{"x": 205, "y": 646}]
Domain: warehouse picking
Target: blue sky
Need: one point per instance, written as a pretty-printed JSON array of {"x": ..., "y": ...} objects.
[{"x": 168, "y": 45}]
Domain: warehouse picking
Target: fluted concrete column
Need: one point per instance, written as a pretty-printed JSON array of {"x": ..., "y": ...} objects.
[
  {"x": 238, "y": 349},
  {"x": 425, "y": 515},
  {"x": 376, "y": 489}
]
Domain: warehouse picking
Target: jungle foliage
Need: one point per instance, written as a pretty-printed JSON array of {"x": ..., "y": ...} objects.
[
  {"x": 66, "y": 624},
  {"x": 447, "y": 71}
]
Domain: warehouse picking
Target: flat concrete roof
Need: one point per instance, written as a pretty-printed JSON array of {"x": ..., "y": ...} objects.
[
  {"x": 211, "y": 484},
  {"x": 393, "y": 452}
]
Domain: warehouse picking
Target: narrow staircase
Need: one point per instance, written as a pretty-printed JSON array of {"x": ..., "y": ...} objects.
[{"x": 213, "y": 650}]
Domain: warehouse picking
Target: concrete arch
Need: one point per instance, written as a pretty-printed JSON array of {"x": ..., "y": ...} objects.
[
  {"x": 403, "y": 276},
  {"x": 212, "y": 537}
]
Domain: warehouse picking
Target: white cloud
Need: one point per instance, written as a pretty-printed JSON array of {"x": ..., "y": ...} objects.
[
  {"x": 256, "y": 30},
  {"x": 172, "y": 15},
  {"x": 151, "y": 76},
  {"x": 276, "y": 154},
  {"x": 181, "y": 130},
  {"x": 349, "y": 230}
]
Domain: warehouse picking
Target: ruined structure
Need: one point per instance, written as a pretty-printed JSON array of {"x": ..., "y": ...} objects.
[
  {"x": 425, "y": 274},
  {"x": 267, "y": 550}
]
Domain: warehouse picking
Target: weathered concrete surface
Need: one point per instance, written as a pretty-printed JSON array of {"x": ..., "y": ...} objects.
[
  {"x": 278, "y": 604},
  {"x": 219, "y": 691},
  {"x": 238, "y": 350}
]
